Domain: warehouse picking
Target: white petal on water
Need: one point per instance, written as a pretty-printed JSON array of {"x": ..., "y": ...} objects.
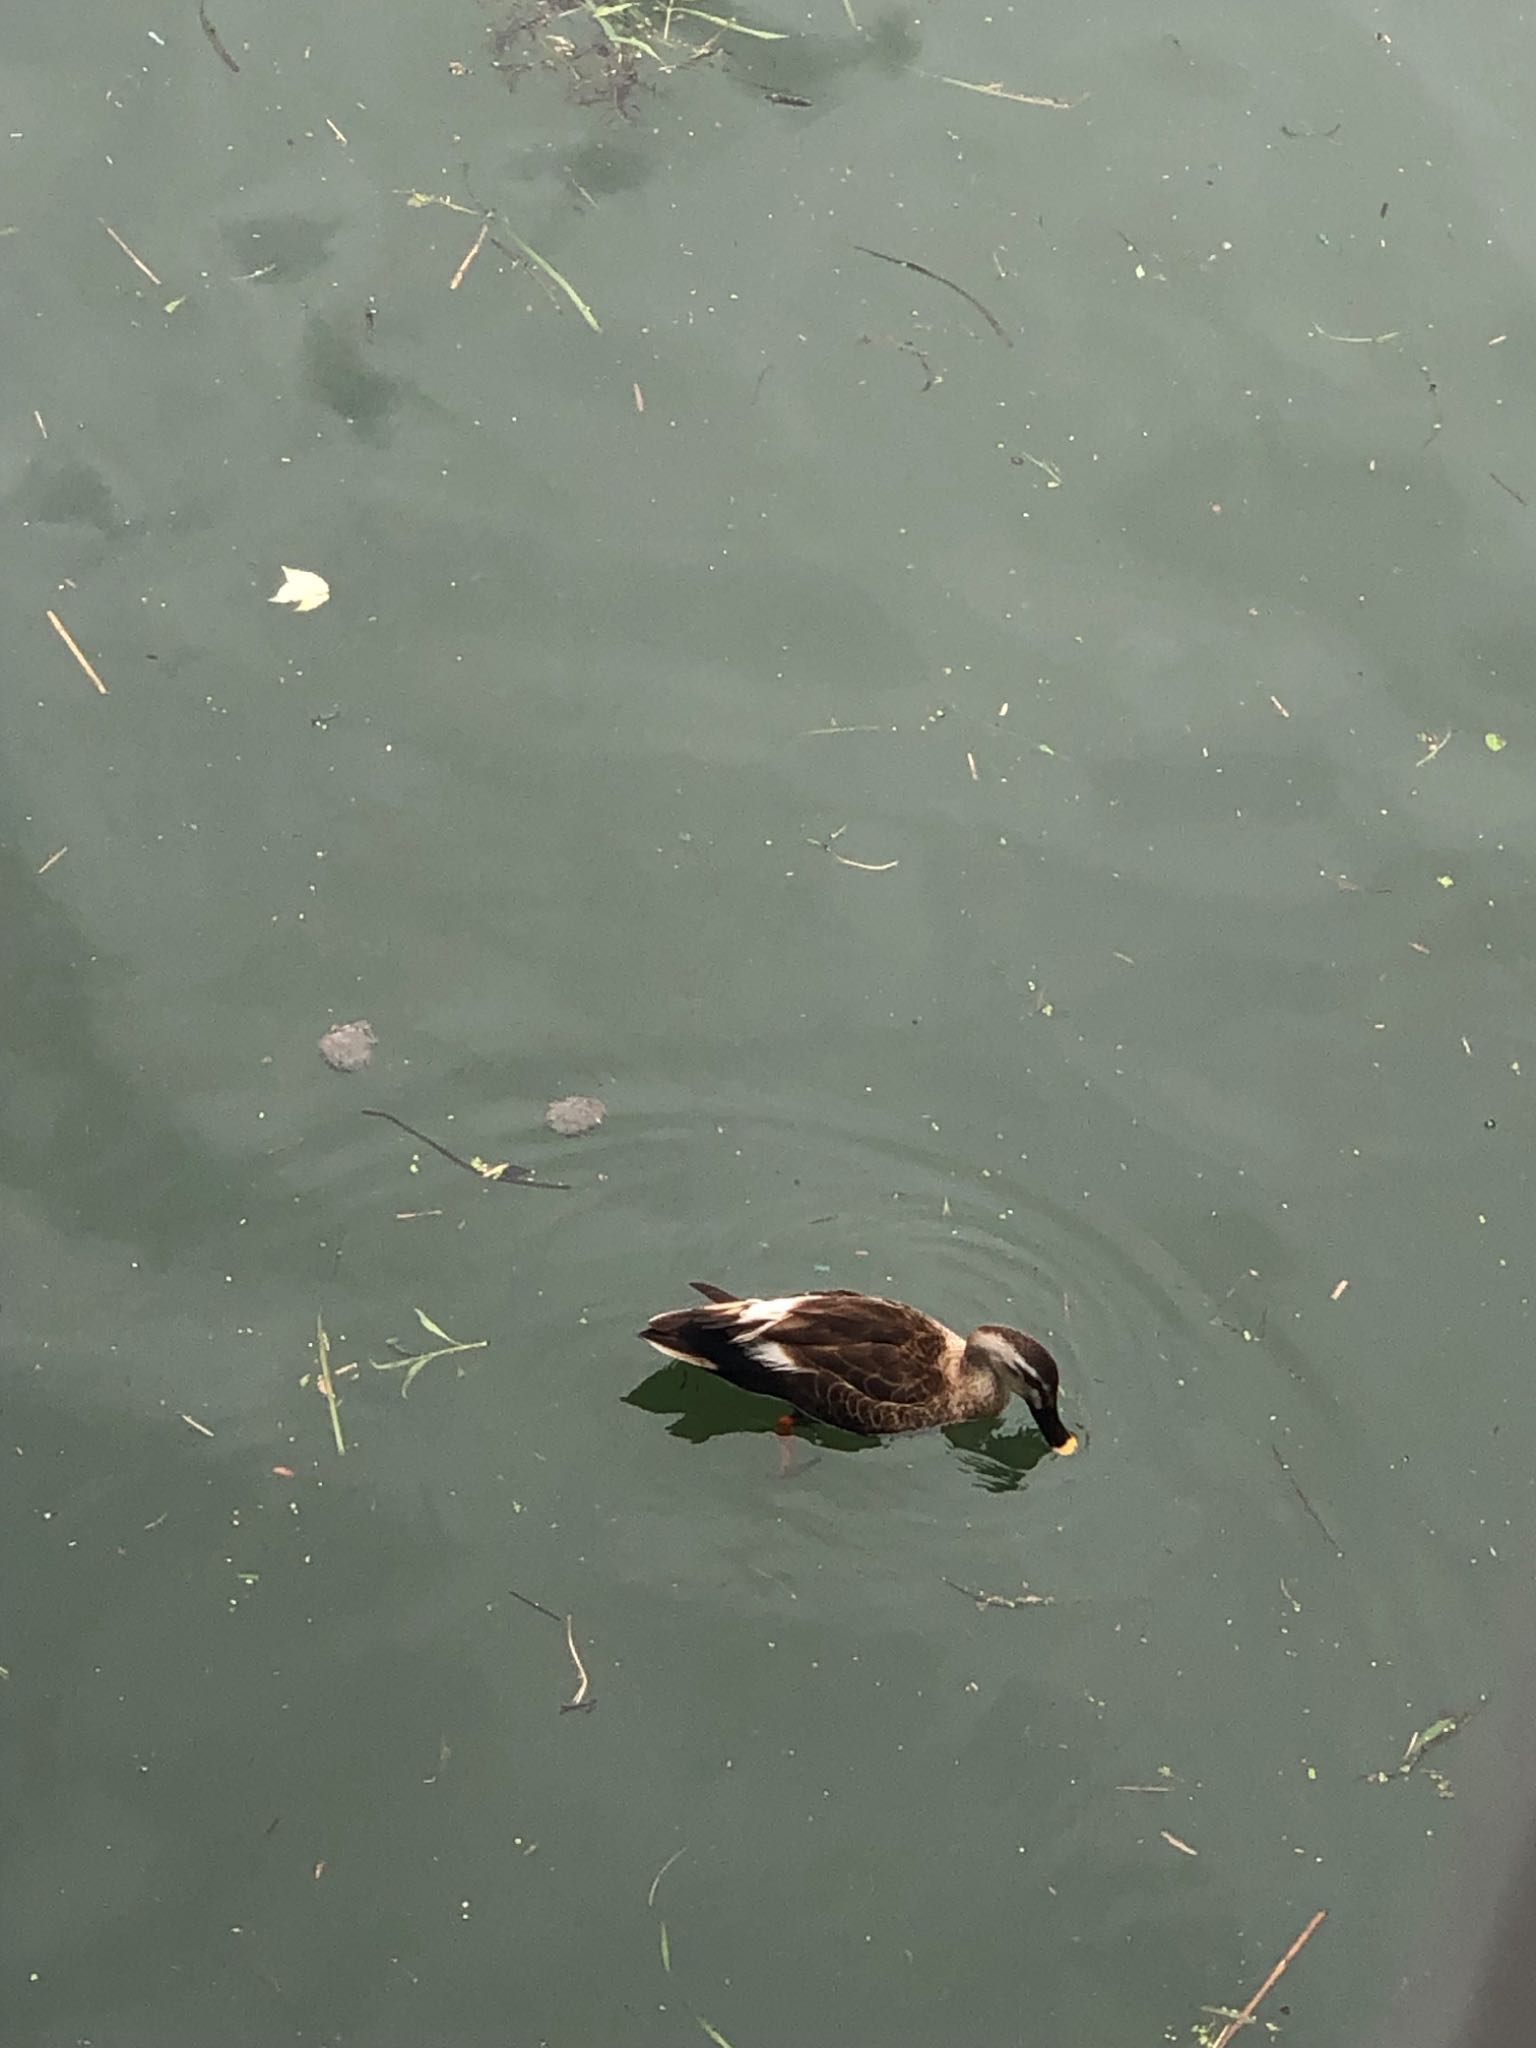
[{"x": 303, "y": 589}]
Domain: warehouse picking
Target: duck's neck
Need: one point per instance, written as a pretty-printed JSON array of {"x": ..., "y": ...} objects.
[{"x": 983, "y": 1389}]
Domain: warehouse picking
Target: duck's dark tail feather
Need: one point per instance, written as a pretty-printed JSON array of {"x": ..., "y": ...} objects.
[{"x": 712, "y": 1293}]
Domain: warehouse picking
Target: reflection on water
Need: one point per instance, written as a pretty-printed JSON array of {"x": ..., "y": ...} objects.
[
  {"x": 999, "y": 1458},
  {"x": 707, "y": 1406}
]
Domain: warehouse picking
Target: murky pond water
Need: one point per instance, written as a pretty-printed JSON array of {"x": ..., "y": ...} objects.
[{"x": 1006, "y": 772}]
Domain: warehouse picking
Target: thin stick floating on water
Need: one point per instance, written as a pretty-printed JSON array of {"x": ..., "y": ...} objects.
[
  {"x": 581, "y": 1701},
  {"x": 1024, "y": 1599},
  {"x": 1248, "y": 2011},
  {"x": 137, "y": 261},
  {"x": 213, "y": 35},
  {"x": 67, "y": 637},
  {"x": 993, "y": 91},
  {"x": 584, "y": 1686},
  {"x": 1357, "y": 340},
  {"x": 462, "y": 272},
  {"x": 906, "y": 263},
  {"x": 506, "y": 1176},
  {"x": 327, "y": 1384},
  {"x": 1312, "y": 1511},
  {"x": 650, "y": 1897}
]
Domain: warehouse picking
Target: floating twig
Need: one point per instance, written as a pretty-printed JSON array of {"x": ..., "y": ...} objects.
[
  {"x": 53, "y": 860},
  {"x": 1312, "y": 1511},
  {"x": 650, "y": 1897},
  {"x": 523, "y": 249},
  {"x": 1174, "y": 1842},
  {"x": 420, "y": 1360},
  {"x": 1242, "y": 2018},
  {"x": 1424, "y": 1739},
  {"x": 476, "y": 246},
  {"x": 328, "y": 1385},
  {"x": 869, "y": 867},
  {"x": 1357, "y": 340},
  {"x": 506, "y": 1174},
  {"x": 201, "y": 1427},
  {"x": 213, "y": 35},
  {"x": 67, "y": 637},
  {"x": 1024, "y": 1599},
  {"x": 1049, "y": 469},
  {"x": 1508, "y": 487},
  {"x": 137, "y": 261},
  {"x": 581, "y": 1701},
  {"x": 415, "y": 198},
  {"x": 906, "y": 263},
  {"x": 994, "y": 91}
]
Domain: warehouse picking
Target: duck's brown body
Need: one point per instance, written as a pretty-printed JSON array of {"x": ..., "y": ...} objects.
[{"x": 863, "y": 1363}]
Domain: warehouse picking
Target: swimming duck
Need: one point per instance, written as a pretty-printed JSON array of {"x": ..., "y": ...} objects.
[{"x": 864, "y": 1364}]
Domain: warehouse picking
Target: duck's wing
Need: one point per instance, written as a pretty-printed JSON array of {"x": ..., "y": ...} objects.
[
  {"x": 881, "y": 1351},
  {"x": 838, "y": 1354}
]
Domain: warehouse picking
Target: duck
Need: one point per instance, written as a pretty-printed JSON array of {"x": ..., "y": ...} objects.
[{"x": 862, "y": 1363}]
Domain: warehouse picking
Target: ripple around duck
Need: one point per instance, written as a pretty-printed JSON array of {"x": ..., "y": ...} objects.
[
  {"x": 767, "y": 1195},
  {"x": 772, "y": 1191}
]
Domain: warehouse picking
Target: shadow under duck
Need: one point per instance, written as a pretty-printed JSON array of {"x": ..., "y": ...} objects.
[{"x": 862, "y": 1363}]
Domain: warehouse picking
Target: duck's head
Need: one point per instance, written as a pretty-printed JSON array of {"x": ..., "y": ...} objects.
[{"x": 1024, "y": 1365}]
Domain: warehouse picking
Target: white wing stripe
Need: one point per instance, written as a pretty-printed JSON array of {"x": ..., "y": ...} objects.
[
  {"x": 766, "y": 1352},
  {"x": 760, "y": 1316}
]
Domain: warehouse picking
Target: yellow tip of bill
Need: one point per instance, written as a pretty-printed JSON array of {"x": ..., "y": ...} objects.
[{"x": 1065, "y": 1450}]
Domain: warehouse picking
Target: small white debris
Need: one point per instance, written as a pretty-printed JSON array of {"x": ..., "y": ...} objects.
[{"x": 303, "y": 589}]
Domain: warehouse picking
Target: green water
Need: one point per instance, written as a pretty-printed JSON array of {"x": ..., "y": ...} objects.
[{"x": 1144, "y": 657}]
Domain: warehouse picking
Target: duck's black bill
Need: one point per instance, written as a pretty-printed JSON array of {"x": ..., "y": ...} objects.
[{"x": 1056, "y": 1432}]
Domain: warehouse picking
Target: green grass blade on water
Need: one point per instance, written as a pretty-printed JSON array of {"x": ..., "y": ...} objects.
[
  {"x": 418, "y": 1361},
  {"x": 564, "y": 283}
]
